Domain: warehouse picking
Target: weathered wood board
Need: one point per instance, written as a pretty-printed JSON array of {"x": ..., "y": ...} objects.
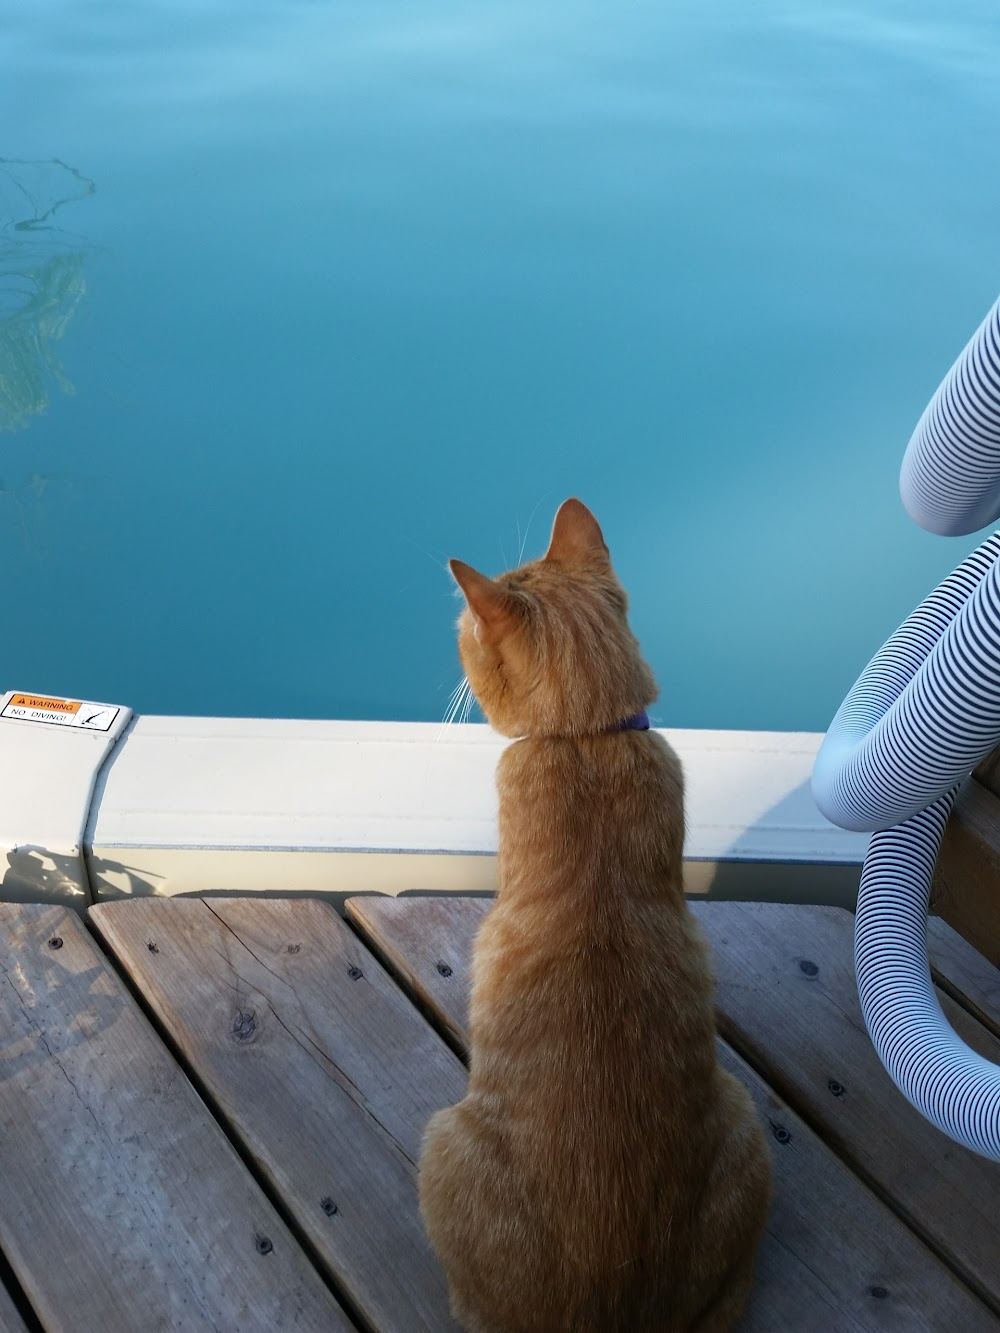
[
  {"x": 787, "y": 1000},
  {"x": 834, "y": 1258},
  {"x": 124, "y": 1206},
  {"x": 319, "y": 1066},
  {"x": 964, "y": 974},
  {"x": 427, "y": 945}
]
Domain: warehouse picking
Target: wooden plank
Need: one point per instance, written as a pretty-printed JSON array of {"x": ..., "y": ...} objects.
[
  {"x": 834, "y": 1256},
  {"x": 966, "y": 886},
  {"x": 124, "y": 1205},
  {"x": 321, "y": 1068},
  {"x": 413, "y": 937},
  {"x": 987, "y": 772},
  {"x": 788, "y": 1001},
  {"x": 964, "y": 974},
  {"x": 427, "y": 945}
]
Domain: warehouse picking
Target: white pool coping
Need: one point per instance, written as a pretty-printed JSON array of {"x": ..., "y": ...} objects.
[{"x": 197, "y": 805}]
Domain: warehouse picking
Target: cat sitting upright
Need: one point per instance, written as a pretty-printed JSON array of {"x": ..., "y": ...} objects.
[{"x": 602, "y": 1174}]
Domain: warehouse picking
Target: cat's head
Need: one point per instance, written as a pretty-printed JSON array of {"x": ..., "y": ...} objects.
[{"x": 547, "y": 647}]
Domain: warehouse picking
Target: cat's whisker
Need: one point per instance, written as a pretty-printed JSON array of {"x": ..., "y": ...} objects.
[
  {"x": 465, "y": 703},
  {"x": 449, "y": 711},
  {"x": 454, "y": 696},
  {"x": 456, "y": 703},
  {"x": 527, "y": 529},
  {"x": 470, "y": 699},
  {"x": 441, "y": 564}
]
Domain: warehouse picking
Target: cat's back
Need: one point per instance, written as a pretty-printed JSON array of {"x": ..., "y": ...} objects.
[
  {"x": 574, "y": 811},
  {"x": 590, "y": 966}
]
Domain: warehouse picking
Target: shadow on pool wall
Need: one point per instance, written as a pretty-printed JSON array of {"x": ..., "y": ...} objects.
[
  {"x": 742, "y": 875},
  {"x": 36, "y": 874},
  {"x": 41, "y": 283}
]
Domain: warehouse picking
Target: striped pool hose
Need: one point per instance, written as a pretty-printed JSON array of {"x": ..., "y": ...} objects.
[
  {"x": 922, "y": 714},
  {"x": 950, "y": 479}
]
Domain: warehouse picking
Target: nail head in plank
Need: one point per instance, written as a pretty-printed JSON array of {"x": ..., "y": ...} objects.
[
  {"x": 124, "y": 1205},
  {"x": 787, "y": 999},
  {"x": 320, "y": 1067},
  {"x": 834, "y": 1257}
]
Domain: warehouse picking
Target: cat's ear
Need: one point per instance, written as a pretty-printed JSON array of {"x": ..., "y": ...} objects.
[
  {"x": 576, "y": 535},
  {"x": 492, "y": 606}
]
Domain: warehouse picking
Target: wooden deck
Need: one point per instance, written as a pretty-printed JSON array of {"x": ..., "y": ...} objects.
[{"x": 211, "y": 1109}]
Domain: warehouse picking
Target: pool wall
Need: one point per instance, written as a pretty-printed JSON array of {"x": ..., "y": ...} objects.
[{"x": 174, "y": 805}]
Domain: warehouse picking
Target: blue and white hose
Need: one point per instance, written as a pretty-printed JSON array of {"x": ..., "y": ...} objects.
[
  {"x": 922, "y": 714},
  {"x": 950, "y": 479}
]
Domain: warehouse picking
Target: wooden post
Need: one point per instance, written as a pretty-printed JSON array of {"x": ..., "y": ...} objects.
[{"x": 966, "y": 887}]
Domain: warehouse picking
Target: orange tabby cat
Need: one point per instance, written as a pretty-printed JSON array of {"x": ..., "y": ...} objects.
[{"x": 602, "y": 1173}]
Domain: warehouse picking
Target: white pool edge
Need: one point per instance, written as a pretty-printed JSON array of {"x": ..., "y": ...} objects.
[{"x": 176, "y": 805}]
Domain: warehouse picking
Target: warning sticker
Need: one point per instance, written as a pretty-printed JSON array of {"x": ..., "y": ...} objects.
[{"x": 61, "y": 712}]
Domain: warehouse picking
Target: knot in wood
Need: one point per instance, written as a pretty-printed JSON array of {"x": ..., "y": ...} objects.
[
  {"x": 808, "y": 967},
  {"x": 244, "y": 1024}
]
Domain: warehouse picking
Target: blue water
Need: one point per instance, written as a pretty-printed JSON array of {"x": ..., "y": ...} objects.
[{"x": 299, "y": 299}]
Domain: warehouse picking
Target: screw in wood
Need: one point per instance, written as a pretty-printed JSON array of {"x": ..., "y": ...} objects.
[
  {"x": 444, "y": 969},
  {"x": 880, "y": 1293},
  {"x": 810, "y": 969},
  {"x": 55, "y": 942},
  {"x": 328, "y": 1206},
  {"x": 780, "y": 1132},
  {"x": 836, "y": 1088},
  {"x": 355, "y": 973},
  {"x": 263, "y": 1244}
]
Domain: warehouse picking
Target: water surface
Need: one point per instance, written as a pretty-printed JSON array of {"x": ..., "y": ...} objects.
[{"x": 299, "y": 299}]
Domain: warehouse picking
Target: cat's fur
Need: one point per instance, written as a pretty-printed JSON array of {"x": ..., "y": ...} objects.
[{"x": 603, "y": 1174}]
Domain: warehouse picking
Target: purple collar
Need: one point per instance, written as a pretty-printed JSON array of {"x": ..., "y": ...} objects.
[{"x": 637, "y": 722}]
